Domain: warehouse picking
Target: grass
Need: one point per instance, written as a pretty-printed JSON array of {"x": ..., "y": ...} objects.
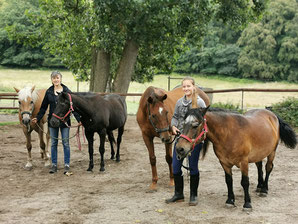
[{"x": 41, "y": 78}]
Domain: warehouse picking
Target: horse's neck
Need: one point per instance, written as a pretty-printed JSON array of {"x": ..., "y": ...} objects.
[
  {"x": 81, "y": 105},
  {"x": 216, "y": 127}
]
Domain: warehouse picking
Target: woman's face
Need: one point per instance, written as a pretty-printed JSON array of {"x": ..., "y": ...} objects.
[
  {"x": 187, "y": 87},
  {"x": 56, "y": 80}
]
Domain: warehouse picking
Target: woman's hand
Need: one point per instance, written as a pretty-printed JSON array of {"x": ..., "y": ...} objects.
[
  {"x": 34, "y": 120},
  {"x": 175, "y": 130}
]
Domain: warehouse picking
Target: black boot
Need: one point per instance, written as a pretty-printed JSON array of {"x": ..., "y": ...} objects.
[
  {"x": 194, "y": 183},
  {"x": 178, "y": 196}
]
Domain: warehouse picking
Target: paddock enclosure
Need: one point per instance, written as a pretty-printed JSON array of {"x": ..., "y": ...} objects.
[{"x": 120, "y": 194}]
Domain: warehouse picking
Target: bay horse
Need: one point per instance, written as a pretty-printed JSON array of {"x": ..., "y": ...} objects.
[
  {"x": 29, "y": 105},
  {"x": 237, "y": 140},
  {"x": 156, "y": 108},
  {"x": 101, "y": 114}
]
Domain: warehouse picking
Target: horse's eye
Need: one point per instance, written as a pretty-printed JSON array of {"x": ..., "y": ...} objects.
[
  {"x": 195, "y": 125},
  {"x": 31, "y": 102},
  {"x": 19, "y": 102},
  {"x": 153, "y": 115}
]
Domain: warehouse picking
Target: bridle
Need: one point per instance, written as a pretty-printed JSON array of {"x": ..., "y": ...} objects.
[
  {"x": 70, "y": 110},
  {"x": 201, "y": 136},
  {"x": 158, "y": 130}
]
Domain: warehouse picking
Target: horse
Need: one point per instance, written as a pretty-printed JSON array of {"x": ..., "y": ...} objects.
[
  {"x": 237, "y": 141},
  {"x": 29, "y": 105},
  {"x": 156, "y": 108},
  {"x": 101, "y": 114}
]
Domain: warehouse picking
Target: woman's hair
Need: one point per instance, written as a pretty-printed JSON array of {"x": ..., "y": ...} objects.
[
  {"x": 55, "y": 73},
  {"x": 190, "y": 79}
]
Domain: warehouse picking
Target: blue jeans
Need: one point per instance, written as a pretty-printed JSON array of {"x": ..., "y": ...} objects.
[
  {"x": 193, "y": 161},
  {"x": 54, "y": 132}
]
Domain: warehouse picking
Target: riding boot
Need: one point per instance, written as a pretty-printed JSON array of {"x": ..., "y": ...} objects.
[
  {"x": 178, "y": 196},
  {"x": 194, "y": 183}
]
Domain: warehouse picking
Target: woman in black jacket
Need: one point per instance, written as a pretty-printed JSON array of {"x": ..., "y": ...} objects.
[{"x": 51, "y": 99}]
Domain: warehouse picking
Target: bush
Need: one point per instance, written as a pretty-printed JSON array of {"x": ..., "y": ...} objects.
[
  {"x": 228, "y": 106},
  {"x": 287, "y": 110}
]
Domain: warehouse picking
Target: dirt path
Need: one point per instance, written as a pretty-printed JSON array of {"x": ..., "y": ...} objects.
[{"x": 120, "y": 194}]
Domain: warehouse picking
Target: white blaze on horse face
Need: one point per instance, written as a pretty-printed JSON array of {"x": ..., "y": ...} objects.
[
  {"x": 160, "y": 110},
  {"x": 190, "y": 119}
]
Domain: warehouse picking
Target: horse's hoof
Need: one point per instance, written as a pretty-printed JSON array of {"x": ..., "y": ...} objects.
[
  {"x": 258, "y": 189},
  {"x": 263, "y": 194},
  {"x": 47, "y": 164},
  {"x": 102, "y": 169},
  {"x": 89, "y": 169},
  {"x": 228, "y": 205},
  {"x": 112, "y": 157},
  {"x": 247, "y": 207},
  {"x": 118, "y": 160},
  {"x": 28, "y": 168}
]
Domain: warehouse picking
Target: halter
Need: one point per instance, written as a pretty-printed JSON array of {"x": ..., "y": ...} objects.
[
  {"x": 203, "y": 133},
  {"x": 69, "y": 111},
  {"x": 158, "y": 130}
]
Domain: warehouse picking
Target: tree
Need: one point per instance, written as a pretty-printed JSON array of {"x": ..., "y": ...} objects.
[
  {"x": 269, "y": 48},
  {"x": 112, "y": 42}
]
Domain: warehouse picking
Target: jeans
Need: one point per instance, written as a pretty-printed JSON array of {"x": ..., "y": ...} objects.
[
  {"x": 54, "y": 132},
  {"x": 193, "y": 161}
]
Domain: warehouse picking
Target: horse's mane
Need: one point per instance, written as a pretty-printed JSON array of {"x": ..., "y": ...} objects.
[{"x": 26, "y": 92}]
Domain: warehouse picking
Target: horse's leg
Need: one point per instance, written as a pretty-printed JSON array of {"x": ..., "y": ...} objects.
[
  {"x": 150, "y": 146},
  {"x": 112, "y": 142},
  {"x": 260, "y": 176},
  {"x": 245, "y": 184},
  {"x": 42, "y": 145},
  {"x": 169, "y": 158},
  {"x": 269, "y": 167},
  {"x": 27, "y": 134},
  {"x": 90, "y": 136},
  {"x": 119, "y": 140},
  {"x": 230, "y": 202},
  {"x": 102, "y": 136}
]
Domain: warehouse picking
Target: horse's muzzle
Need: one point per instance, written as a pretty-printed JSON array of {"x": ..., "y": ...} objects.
[{"x": 54, "y": 122}]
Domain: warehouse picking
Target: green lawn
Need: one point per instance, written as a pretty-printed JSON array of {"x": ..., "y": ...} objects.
[{"x": 41, "y": 78}]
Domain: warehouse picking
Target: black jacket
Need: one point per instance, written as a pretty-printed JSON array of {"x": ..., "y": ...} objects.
[{"x": 51, "y": 99}]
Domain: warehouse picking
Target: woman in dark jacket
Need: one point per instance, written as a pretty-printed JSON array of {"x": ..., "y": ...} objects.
[{"x": 51, "y": 99}]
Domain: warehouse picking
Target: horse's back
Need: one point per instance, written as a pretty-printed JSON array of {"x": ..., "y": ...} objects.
[{"x": 117, "y": 110}]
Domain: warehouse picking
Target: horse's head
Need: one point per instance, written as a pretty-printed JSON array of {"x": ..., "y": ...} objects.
[
  {"x": 194, "y": 130},
  {"x": 62, "y": 110},
  {"x": 158, "y": 115},
  {"x": 26, "y": 97}
]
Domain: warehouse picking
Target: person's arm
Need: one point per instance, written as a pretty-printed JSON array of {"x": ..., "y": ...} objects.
[{"x": 174, "y": 121}]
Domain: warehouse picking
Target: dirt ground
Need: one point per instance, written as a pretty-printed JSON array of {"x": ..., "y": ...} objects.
[{"x": 120, "y": 194}]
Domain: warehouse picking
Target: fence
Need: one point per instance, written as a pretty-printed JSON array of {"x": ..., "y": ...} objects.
[{"x": 133, "y": 98}]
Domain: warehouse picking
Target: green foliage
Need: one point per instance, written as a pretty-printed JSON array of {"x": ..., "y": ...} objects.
[
  {"x": 228, "y": 106},
  {"x": 269, "y": 48},
  {"x": 287, "y": 110}
]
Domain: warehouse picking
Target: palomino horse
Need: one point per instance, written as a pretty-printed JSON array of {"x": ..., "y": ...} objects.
[
  {"x": 154, "y": 116},
  {"x": 101, "y": 114},
  {"x": 237, "y": 140},
  {"x": 29, "y": 105}
]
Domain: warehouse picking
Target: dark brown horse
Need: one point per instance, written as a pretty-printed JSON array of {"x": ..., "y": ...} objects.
[
  {"x": 154, "y": 116},
  {"x": 237, "y": 140},
  {"x": 101, "y": 114},
  {"x": 29, "y": 105}
]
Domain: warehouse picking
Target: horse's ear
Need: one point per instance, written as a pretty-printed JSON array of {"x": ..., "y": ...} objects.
[
  {"x": 32, "y": 89},
  {"x": 150, "y": 99},
  {"x": 204, "y": 111},
  {"x": 17, "y": 90}
]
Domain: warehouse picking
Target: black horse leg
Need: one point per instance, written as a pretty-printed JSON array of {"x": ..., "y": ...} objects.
[
  {"x": 231, "y": 197},
  {"x": 112, "y": 141},
  {"x": 102, "y": 150},
  {"x": 90, "y": 136},
  {"x": 260, "y": 176},
  {"x": 119, "y": 139},
  {"x": 269, "y": 168},
  {"x": 245, "y": 185}
]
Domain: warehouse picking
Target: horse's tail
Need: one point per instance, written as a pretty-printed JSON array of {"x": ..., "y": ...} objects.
[
  {"x": 205, "y": 147},
  {"x": 287, "y": 134}
]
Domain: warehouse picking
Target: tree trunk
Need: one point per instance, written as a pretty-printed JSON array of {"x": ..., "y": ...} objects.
[
  {"x": 100, "y": 70},
  {"x": 126, "y": 67}
]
